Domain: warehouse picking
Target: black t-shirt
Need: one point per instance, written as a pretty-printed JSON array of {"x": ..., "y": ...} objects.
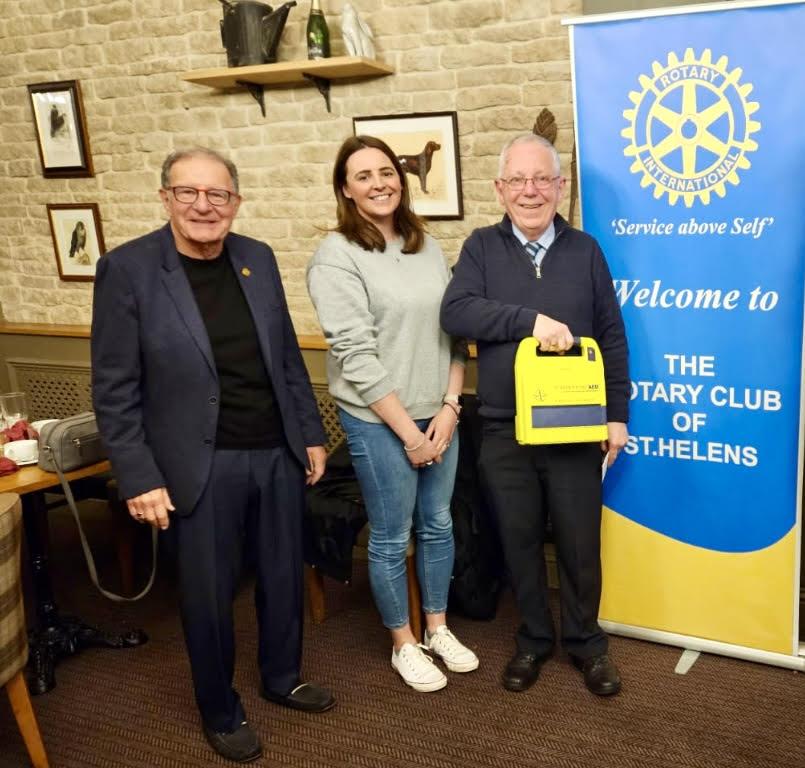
[{"x": 248, "y": 415}]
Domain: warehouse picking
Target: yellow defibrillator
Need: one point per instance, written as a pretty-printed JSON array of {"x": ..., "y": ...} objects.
[{"x": 560, "y": 397}]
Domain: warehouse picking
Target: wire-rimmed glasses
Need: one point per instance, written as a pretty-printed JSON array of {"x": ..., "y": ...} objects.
[{"x": 541, "y": 183}]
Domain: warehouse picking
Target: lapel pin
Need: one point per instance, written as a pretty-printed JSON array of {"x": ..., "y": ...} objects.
[{"x": 245, "y": 271}]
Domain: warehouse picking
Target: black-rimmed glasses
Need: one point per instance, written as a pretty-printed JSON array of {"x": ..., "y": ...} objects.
[{"x": 217, "y": 197}]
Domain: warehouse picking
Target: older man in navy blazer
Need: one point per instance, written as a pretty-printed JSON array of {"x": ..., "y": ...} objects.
[{"x": 211, "y": 425}]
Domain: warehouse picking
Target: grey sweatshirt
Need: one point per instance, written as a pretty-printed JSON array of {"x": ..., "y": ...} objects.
[{"x": 380, "y": 316}]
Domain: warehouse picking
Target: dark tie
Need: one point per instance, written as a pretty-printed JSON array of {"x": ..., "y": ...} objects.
[{"x": 536, "y": 252}]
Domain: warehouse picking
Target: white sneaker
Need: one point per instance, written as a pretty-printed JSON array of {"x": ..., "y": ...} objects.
[
  {"x": 417, "y": 669},
  {"x": 456, "y": 657}
]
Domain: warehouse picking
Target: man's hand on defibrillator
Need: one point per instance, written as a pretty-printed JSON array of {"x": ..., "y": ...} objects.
[
  {"x": 552, "y": 335},
  {"x": 152, "y": 507}
]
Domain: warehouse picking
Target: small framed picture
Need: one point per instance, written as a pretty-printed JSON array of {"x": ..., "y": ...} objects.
[
  {"x": 61, "y": 129},
  {"x": 77, "y": 239},
  {"x": 426, "y": 144}
]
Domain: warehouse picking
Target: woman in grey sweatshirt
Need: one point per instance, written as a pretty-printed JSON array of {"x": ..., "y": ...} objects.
[{"x": 377, "y": 283}]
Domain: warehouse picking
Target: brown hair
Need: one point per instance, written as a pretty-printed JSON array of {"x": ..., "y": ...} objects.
[{"x": 355, "y": 227}]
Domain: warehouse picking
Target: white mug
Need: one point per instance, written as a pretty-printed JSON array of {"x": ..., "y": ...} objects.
[{"x": 22, "y": 451}]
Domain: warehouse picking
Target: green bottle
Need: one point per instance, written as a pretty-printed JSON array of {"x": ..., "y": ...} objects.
[{"x": 318, "y": 36}]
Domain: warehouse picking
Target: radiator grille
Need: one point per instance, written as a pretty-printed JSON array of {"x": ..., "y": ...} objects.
[
  {"x": 329, "y": 416},
  {"x": 54, "y": 390}
]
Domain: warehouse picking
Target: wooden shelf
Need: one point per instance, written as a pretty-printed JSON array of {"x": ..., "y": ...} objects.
[
  {"x": 318, "y": 71},
  {"x": 288, "y": 72}
]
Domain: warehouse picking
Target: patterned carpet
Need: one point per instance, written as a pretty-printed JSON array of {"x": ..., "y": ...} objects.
[{"x": 134, "y": 707}]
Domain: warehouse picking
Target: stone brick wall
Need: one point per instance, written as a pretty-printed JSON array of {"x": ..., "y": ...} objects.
[{"x": 497, "y": 63}]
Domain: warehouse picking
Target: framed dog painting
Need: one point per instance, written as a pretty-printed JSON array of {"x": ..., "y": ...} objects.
[{"x": 426, "y": 144}]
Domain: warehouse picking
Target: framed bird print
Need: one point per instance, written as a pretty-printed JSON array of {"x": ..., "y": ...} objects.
[
  {"x": 77, "y": 239},
  {"x": 61, "y": 129},
  {"x": 426, "y": 144}
]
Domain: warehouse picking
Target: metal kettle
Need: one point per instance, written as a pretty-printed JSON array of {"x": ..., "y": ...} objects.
[{"x": 251, "y": 31}]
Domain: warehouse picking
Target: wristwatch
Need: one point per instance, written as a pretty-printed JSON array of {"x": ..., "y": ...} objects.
[{"x": 450, "y": 399}]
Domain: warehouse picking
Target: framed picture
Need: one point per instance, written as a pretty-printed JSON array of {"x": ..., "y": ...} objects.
[
  {"x": 61, "y": 129},
  {"x": 426, "y": 144},
  {"x": 77, "y": 239}
]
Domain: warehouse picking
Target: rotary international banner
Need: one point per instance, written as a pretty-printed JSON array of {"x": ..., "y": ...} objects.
[{"x": 691, "y": 155}]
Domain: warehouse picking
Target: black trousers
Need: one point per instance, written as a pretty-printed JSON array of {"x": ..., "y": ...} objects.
[
  {"x": 253, "y": 497},
  {"x": 527, "y": 486}
]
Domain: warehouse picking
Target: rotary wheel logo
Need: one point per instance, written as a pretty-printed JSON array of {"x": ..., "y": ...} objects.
[{"x": 689, "y": 130}]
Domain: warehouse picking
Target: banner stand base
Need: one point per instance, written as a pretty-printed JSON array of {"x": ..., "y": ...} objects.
[
  {"x": 708, "y": 646},
  {"x": 686, "y": 662}
]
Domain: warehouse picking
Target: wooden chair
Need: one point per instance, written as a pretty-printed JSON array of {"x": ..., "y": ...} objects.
[
  {"x": 315, "y": 579},
  {"x": 13, "y": 634}
]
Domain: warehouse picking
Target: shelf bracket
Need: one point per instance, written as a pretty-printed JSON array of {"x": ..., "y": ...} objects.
[
  {"x": 323, "y": 84},
  {"x": 257, "y": 93}
]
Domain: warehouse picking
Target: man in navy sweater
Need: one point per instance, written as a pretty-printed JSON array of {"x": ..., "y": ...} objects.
[{"x": 533, "y": 274}]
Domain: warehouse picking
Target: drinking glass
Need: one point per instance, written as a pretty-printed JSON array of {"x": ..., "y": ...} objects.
[{"x": 13, "y": 408}]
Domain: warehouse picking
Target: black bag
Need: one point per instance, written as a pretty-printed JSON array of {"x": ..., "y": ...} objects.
[
  {"x": 334, "y": 516},
  {"x": 478, "y": 569}
]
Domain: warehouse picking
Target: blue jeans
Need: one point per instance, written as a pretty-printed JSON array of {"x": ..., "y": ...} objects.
[{"x": 397, "y": 498}]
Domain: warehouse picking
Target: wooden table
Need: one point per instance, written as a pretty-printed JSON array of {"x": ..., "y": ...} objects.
[
  {"x": 55, "y": 636},
  {"x": 29, "y": 479}
]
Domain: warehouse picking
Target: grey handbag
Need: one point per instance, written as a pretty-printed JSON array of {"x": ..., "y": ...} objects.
[{"x": 70, "y": 443}]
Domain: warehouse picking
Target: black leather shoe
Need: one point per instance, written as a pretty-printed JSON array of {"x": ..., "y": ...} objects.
[
  {"x": 600, "y": 674},
  {"x": 307, "y": 697},
  {"x": 240, "y": 746},
  {"x": 522, "y": 671}
]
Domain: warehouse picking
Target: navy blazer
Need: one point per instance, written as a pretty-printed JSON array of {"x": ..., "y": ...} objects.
[{"x": 155, "y": 389}]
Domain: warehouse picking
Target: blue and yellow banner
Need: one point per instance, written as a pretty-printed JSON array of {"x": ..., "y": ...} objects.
[{"x": 691, "y": 154}]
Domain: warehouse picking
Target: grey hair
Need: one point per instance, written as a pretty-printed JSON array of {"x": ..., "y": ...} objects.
[
  {"x": 528, "y": 138},
  {"x": 183, "y": 154}
]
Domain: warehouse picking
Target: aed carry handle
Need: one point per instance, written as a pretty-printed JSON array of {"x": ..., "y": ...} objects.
[{"x": 574, "y": 351}]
